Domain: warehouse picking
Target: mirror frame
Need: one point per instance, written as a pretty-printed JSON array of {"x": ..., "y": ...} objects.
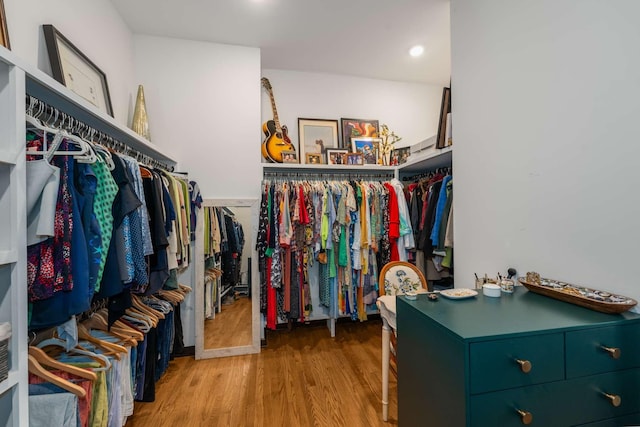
[{"x": 254, "y": 347}]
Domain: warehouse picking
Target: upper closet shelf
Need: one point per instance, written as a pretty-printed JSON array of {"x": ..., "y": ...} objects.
[
  {"x": 428, "y": 161},
  {"x": 304, "y": 168},
  {"x": 417, "y": 163},
  {"x": 48, "y": 90}
]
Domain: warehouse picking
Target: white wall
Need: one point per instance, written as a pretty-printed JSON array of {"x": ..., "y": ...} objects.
[
  {"x": 203, "y": 102},
  {"x": 546, "y": 100},
  {"x": 94, "y": 27},
  {"x": 409, "y": 109}
]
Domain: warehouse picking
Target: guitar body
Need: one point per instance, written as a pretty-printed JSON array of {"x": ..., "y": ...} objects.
[{"x": 275, "y": 142}]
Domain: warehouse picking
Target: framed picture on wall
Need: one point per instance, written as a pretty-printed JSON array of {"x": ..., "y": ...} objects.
[
  {"x": 355, "y": 128},
  {"x": 316, "y": 136},
  {"x": 76, "y": 71},
  {"x": 368, "y": 147}
]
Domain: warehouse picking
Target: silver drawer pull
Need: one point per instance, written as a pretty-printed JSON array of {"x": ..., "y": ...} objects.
[
  {"x": 614, "y": 352},
  {"x": 525, "y": 365},
  {"x": 613, "y": 398},
  {"x": 525, "y": 416}
]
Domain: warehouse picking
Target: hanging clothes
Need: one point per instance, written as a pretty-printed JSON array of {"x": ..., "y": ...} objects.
[{"x": 324, "y": 241}]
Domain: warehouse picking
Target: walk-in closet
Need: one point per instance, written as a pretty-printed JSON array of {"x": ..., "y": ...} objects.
[{"x": 319, "y": 214}]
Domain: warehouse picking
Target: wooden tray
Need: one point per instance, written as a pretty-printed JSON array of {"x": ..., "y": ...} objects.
[{"x": 594, "y": 299}]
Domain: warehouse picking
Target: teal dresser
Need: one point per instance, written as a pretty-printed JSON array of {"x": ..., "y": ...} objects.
[{"x": 516, "y": 360}]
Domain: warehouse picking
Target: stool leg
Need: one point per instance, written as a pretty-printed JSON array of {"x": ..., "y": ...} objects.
[{"x": 386, "y": 338}]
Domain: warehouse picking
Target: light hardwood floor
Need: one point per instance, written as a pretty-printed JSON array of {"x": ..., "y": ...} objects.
[
  {"x": 302, "y": 378},
  {"x": 231, "y": 327}
]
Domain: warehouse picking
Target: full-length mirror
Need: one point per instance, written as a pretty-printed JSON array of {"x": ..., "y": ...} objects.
[{"x": 227, "y": 292}]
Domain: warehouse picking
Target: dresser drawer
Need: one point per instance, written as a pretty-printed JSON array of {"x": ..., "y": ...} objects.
[
  {"x": 502, "y": 364},
  {"x": 587, "y": 395},
  {"x": 587, "y": 354},
  {"x": 627, "y": 420},
  {"x": 543, "y": 403}
]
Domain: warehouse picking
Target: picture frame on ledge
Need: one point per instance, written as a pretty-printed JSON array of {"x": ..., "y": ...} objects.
[
  {"x": 336, "y": 156},
  {"x": 76, "y": 71},
  {"x": 400, "y": 155},
  {"x": 316, "y": 136},
  {"x": 314, "y": 159},
  {"x": 354, "y": 159},
  {"x": 368, "y": 147},
  {"x": 356, "y": 128},
  {"x": 290, "y": 157}
]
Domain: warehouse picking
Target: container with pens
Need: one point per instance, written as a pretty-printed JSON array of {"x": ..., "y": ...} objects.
[{"x": 480, "y": 281}]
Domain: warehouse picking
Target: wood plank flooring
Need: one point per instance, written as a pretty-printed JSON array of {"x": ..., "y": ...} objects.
[
  {"x": 303, "y": 378},
  {"x": 231, "y": 327}
]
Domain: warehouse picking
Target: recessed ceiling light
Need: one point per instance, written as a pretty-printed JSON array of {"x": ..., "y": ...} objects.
[{"x": 416, "y": 51}]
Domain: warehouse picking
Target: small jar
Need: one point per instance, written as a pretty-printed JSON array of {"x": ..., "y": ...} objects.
[{"x": 506, "y": 285}]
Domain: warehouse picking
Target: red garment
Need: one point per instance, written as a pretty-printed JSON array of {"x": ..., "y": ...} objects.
[
  {"x": 394, "y": 222},
  {"x": 271, "y": 298},
  {"x": 304, "y": 215}
]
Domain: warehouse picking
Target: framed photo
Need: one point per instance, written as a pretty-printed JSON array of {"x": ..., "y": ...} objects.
[
  {"x": 445, "y": 109},
  {"x": 4, "y": 31},
  {"x": 354, "y": 158},
  {"x": 368, "y": 147},
  {"x": 74, "y": 70},
  {"x": 336, "y": 156},
  {"x": 314, "y": 159},
  {"x": 355, "y": 128},
  {"x": 400, "y": 155},
  {"x": 316, "y": 136},
  {"x": 289, "y": 157}
]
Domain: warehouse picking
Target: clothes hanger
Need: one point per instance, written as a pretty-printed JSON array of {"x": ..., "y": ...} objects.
[
  {"x": 143, "y": 315},
  {"x": 115, "y": 349},
  {"x": 45, "y": 360},
  {"x": 144, "y": 172},
  {"x": 104, "y": 362},
  {"x": 98, "y": 322},
  {"x": 36, "y": 369},
  {"x": 145, "y": 322},
  {"x": 137, "y": 302},
  {"x": 119, "y": 329}
]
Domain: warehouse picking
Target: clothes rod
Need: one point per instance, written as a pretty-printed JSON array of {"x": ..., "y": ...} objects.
[{"x": 55, "y": 118}]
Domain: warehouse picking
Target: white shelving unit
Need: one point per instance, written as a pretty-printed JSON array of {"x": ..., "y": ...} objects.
[{"x": 17, "y": 80}]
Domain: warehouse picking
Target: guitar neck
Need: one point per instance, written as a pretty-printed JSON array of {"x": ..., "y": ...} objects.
[{"x": 275, "y": 111}]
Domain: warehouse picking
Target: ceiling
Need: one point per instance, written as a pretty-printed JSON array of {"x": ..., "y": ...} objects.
[{"x": 365, "y": 38}]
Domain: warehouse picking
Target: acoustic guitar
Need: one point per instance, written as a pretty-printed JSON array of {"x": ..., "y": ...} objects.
[{"x": 276, "y": 139}]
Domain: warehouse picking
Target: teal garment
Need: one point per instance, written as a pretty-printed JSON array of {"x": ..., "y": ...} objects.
[
  {"x": 342, "y": 247},
  {"x": 106, "y": 191}
]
